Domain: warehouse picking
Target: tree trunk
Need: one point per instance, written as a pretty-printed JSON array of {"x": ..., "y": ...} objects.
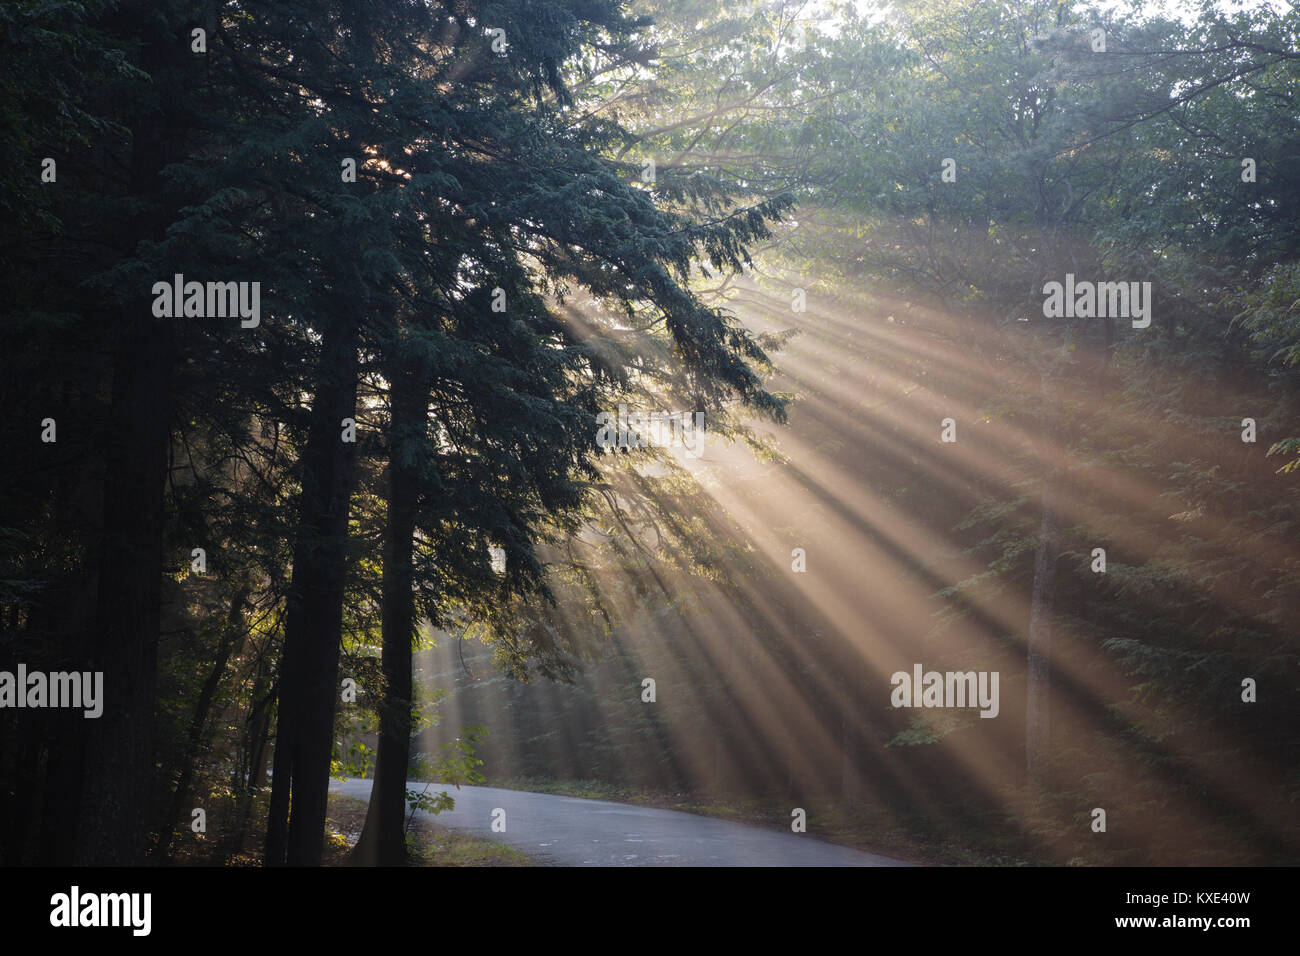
[
  {"x": 314, "y": 614},
  {"x": 234, "y": 633},
  {"x": 251, "y": 773},
  {"x": 117, "y": 786},
  {"x": 118, "y": 771},
  {"x": 383, "y": 838}
]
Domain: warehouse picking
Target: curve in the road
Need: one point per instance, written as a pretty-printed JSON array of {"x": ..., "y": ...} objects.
[{"x": 569, "y": 831}]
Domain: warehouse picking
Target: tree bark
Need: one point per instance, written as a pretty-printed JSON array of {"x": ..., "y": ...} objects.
[
  {"x": 314, "y": 614},
  {"x": 383, "y": 838},
  {"x": 118, "y": 771},
  {"x": 117, "y": 786}
]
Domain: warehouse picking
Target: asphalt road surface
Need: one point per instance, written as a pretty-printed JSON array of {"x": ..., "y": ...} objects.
[{"x": 568, "y": 831}]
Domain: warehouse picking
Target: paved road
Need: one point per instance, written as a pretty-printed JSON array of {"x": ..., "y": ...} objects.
[{"x": 567, "y": 831}]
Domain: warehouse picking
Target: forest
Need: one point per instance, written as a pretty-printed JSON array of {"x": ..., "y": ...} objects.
[{"x": 886, "y": 410}]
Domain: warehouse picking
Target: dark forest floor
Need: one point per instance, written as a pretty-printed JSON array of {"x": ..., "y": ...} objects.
[{"x": 431, "y": 844}]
